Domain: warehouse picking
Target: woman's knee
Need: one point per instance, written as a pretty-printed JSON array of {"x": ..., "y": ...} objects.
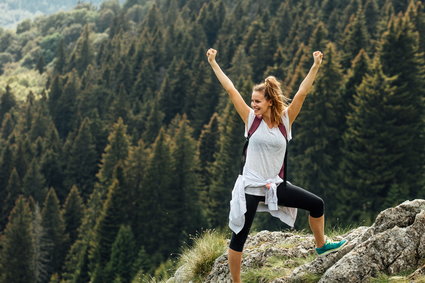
[
  {"x": 318, "y": 207},
  {"x": 237, "y": 242}
]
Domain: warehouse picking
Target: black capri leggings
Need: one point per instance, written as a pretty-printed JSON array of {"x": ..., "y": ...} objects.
[{"x": 289, "y": 196}]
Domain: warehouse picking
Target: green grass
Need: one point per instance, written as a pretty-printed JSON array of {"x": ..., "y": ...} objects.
[
  {"x": 401, "y": 277},
  {"x": 199, "y": 259}
]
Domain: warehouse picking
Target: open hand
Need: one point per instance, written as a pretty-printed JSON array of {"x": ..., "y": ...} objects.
[
  {"x": 211, "y": 55},
  {"x": 318, "y": 56}
]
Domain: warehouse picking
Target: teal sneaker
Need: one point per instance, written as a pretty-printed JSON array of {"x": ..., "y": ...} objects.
[{"x": 330, "y": 247}]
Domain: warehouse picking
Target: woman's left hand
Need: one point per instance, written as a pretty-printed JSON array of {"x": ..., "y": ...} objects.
[{"x": 317, "y": 55}]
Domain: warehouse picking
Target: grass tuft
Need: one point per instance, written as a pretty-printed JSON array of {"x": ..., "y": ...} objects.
[{"x": 199, "y": 259}]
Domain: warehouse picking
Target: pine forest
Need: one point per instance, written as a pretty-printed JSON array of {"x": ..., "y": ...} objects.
[{"x": 118, "y": 144}]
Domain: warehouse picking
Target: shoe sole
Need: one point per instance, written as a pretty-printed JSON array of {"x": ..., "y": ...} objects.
[{"x": 334, "y": 250}]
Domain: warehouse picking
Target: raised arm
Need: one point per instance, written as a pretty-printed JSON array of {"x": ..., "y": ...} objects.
[
  {"x": 297, "y": 102},
  {"x": 241, "y": 107}
]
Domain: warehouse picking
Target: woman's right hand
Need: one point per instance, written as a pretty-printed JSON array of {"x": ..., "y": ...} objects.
[{"x": 211, "y": 55}]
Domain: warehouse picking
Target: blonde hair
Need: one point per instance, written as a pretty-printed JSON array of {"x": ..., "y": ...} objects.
[{"x": 272, "y": 91}]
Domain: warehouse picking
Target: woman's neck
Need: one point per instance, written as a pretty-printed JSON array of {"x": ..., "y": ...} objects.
[{"x": 267, "y": 118}]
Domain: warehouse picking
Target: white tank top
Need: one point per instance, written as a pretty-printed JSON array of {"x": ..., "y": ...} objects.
[{"x": 266, "y": 151}]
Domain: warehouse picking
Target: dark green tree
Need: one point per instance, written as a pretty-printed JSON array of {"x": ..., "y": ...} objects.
[
  {"x": 40, "y": 64},
  {"x": 54, "y": 227},
  {"x": 33, "y": 183},
  {"x": 317, "y": 144},
  {"x": 112, "y": 216},
  {"x": 360, "y": 67},
  {"x": 60, "y": 61},
  {"x": 142, "y": 263},
  {"x": 17, "y": 246},
  {"x": 73, "y": 211},
  {"x": 186, "y": 180},
  {"x": 11, "y": 193},
  {"x": 356, "y": 38},
  {"x": 7, "y": 126},
  {"x": 81, "y": 167},
  {"x": 208, "y": 143},
  {"x": 372, "y": 164},
  {"x": 52, "y": 170},
  {"x": 82, "y": 55},
  {"x": 400, "y": 56},
  {"x": 134, "y": 174},
  {"x": 225, "y": 168},
  {"x": 157, "y": 201},
  {"x": 7, "y": 102},
  {"x": 62, "y": 103},
  {"x": 153, "y": 122},
  {"x": 123, "y": 255},
  {"x": 173, "y": 93},
  {"x": 6, "y": 168}
]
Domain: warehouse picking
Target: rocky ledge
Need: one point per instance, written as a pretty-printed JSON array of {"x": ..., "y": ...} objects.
[{"x": 394, "y": 244}]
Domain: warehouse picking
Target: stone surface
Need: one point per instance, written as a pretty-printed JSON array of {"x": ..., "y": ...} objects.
[{"x": 393, "y": 244}]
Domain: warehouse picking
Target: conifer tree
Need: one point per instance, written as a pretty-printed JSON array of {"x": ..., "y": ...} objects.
[
  {"x": 157, "y": 199},
  {"x": 174, "y": 89},
  {"x": 6, "y": 168},
  {"x": 318, "y": 40},
  {"x": 11, "y": 193},
  {"x": 33, "y": 183},
  {"x": 356, "y": 38},
  {"x": 73, "y": 211},
  {"x": 142, "y": 262},
  {"x": 400, "y": 56},
  {"x": 153, "y": 122},
  {"x": 40, "y": 123},
  {"x": 54, "y": 226},
  {"x": 60, "y": 61},
  {"x": 115, "y": 152},
  {"x": 40, "y": 64},
  {"x": 41, "y": 244},
  {"x": 17, "y": 246},
  {"x": 360, "y": 67},
  {"x": 226, "y": 166},
  {"x": 371, "y": 13},
  {"x": 318, "y": 139},
  {"x": 82, "y": 162},
  {"x": 134, "y": 174},
  {"x": 62, "y": 103},
  {"x": 23, "y": 153},
  {"x": 186, "y": 181},
  {"x": 120, "y": 106},
  {"x": 82, "y": 55},
  {"x": 211, "y": 17},
  {"x": 208, "y": 144},
  {"x": 114, "y": 214},
  {"x": 372, "y": 150},
  {"x": 123, "y": 255},
  {"x": 7, "y": 126},
  {"x": 7, "y": 102},
  {"x": 52, "y": 170},
  {"x": 201, "y": 99}
]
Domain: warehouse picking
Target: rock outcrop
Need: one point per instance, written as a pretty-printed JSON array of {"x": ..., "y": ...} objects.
[{"x": 394, "y": 243}]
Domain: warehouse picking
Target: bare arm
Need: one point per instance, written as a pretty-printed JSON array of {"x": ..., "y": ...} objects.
[
  {"x": 241, "y": 107},
  {"x": 297, "y": 102}
]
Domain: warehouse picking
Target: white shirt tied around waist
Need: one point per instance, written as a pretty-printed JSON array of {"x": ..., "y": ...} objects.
[{"x": 238, "y": 202}]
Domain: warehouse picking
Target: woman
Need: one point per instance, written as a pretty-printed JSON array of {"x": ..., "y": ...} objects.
[{"x": 260, "y": 181}]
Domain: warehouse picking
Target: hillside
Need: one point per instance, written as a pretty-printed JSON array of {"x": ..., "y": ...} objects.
[
  {"x": 118, "y": 144},
  {"x": 391, "y": 250}
]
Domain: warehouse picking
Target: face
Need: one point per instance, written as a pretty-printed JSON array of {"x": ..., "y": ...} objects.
[{"x": 259, "y": 103}]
